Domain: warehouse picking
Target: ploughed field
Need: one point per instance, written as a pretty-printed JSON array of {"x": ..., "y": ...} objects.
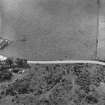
[{"x": 53, "y": 84}]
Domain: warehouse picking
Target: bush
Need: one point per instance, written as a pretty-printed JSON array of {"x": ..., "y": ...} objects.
[
  {"x": 43, "y": 101},
  {"x": 5, "y": 75},
  {"x": 9, "y": 61},
  {"x": 59, "y": 102},
  {"x": 26, "y": 99},
  {"x": 44, "y": 77},
  {"x": 21, "y": 63},
  {"x": 91, "y": 99},
  {"x": 61, "y": 91},
  {"x": 18, "y": 87},
  {"x": 78, "y": 69}
]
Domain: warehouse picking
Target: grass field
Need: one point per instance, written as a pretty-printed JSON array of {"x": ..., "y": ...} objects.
[{"x": 49, "y": 29}]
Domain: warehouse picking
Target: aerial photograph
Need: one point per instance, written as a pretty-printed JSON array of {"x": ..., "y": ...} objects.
[{"x": 52, "y": 52}]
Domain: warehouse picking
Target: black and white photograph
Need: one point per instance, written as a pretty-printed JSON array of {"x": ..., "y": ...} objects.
[{"x": 52, "y": 52}]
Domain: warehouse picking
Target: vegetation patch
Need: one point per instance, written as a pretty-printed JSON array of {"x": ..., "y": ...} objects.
[{"x": 58, "y": 84}]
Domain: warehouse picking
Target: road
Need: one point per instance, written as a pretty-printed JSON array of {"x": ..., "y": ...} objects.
[{"x": 69, "y": 62}]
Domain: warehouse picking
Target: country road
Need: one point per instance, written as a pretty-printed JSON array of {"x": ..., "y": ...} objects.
[{"x": 68, "y": 62}]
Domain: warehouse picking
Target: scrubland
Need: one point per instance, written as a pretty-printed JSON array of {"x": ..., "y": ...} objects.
[{"x": 55, "y": 84}]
